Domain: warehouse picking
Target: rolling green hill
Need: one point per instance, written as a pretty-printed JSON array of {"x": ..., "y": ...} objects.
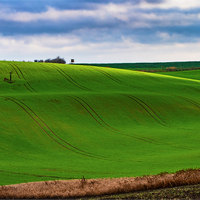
[{"x": 69, "y": 121}]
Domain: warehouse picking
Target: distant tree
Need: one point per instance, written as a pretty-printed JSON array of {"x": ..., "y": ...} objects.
[
  {"x": 47, "y": 60},
  {"x": 58, "y": 60},
  {"x": 55, "y": 60}
]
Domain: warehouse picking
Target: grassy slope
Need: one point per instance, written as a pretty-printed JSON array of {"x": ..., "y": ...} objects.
[
  {"x": 68, "y": 121},
  {"x": 191, "y": 74}
]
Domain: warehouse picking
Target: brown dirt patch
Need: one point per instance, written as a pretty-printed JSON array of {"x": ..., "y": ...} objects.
[{"x": 96, "y": 187}]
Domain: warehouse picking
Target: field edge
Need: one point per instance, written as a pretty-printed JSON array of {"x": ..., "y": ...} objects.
[{"x": 98, "y": 187}]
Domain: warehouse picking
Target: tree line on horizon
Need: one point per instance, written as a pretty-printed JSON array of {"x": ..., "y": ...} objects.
[{"x": 55, "y": 60}]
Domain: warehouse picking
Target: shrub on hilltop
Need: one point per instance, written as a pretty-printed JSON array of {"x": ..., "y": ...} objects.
[{"x": 55, "y": 60}]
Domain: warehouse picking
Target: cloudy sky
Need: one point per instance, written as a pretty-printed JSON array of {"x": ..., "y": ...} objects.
[{"x": 100, "y": 31}]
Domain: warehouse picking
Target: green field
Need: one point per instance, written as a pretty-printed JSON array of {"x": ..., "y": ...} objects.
[
  {"x": 191, "y": 74},
  {"x": 160, "y": 66},
  {"x": 69, "y": 121}
]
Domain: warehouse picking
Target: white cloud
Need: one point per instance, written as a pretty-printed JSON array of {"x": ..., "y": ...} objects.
[
  {"x": 73, "y": 45},
  {"x": 50, "y": 14},
  {"x": 38, "y": 47},
  {"x": 129, "y": 13},
  {"x": 167, "y": 4},
  {"x": 118, "y": 11},
  {"x": 164, "y": 35},
  {"x": 101, "y": 12}
]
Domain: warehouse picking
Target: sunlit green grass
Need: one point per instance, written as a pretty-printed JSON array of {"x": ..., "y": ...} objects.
[
  {"x": 69, "y": 121},
  {"x": 191, "y": 74}
]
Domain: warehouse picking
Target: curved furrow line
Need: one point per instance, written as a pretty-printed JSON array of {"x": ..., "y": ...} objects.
[
  {"x": 143, "y": 106},
  {"x": 150, "y": 109},
  {"x": 36, "y": 175},
  {"x": 110, "y": 76},
  {"x": 51, "y": 130},
  {"x": 29, "y": 87},
  {"x": 33, "y": 113},
  {"x": 117, "y": 80},
  {"x": 15, "y": 71},
  {"x": 70, "y": 79},
  {"x": 164, "y": 125},
  {"x": 85, "y": 88},
  {"x": 145, "y": 139},
  {"x": 190, "y": 101},
  {"x": 20, "y": 71},
  {"x": 37, "y": 122},
  {"x": 96, "y": 114},
  {"x": 198, "y": 90},
  {"x": 73, "y": 97},
  {"x": 159, "y": 123},
  {"x": 163, "y": 143},
  {"x": 116, "y": 131}
]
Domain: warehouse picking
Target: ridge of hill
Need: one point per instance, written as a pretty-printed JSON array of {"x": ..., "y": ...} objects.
[
  {"x": 69, "y": 121},
  {"x": 152, "y": 67}
]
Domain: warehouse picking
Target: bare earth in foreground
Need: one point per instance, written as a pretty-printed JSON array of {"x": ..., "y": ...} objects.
[
  {"x": 97, "y": 187},
  {"x": 180, "y": 192}
]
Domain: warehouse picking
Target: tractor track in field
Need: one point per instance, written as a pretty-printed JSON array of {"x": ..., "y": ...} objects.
[
  {"x": 93, "y": 113},
  {"x": 110, "y": 76},
  {"x": 117, "y": 80},
  {"x": 20, "y": 76},
  {"x": 140, "y": 102},
  {"x": 34, "y": 116},
  {"x": 113, "y": 129},
  {"x": 35, "y": 175},
  {"x": 190, "y": 101},
  {"x": 18, "y": 102},
  {"x": 147, "y": 108},
  {"x": 105, "y": 125},
  {"x": 195, "y": 89},
  {"x": 70, "y": 79},
  {"x": 108, "y": 127}
]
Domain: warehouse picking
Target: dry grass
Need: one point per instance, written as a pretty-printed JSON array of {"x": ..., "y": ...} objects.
[{"x": 95, "y": 187}]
